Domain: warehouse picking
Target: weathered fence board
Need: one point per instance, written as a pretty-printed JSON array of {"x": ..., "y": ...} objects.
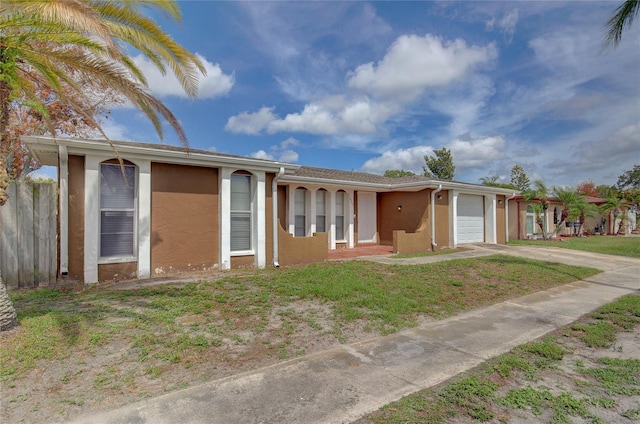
[{"x": 28, "y": 235}]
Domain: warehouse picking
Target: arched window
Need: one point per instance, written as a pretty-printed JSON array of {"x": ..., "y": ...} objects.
[
  {"x": 300, "y": 213},
  {"x": 321, "y": 211},
  {"x": 117, "y": 210},
  {"x": 241, "y": 211}
]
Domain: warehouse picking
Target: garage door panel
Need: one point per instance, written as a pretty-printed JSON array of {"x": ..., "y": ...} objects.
[{"x": 470, "y": 219}]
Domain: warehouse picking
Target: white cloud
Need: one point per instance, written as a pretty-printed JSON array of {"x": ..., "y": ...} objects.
[
  {"x": 468, "y": 154},
  {"x": 251, "y": 123},
  {"x": 288, "y": 156},
  {"x": 414, "y": 63},
  {"x": 379, "y": 92},
  {"x": 410, "y": 159},
  {"x": 261, "y": 154},
  {"x": 215, "y": 84},
  {"x": 478, "y": 153},
  {"x": 508, "y": 24},
  {"x": 281, "y": 152}
]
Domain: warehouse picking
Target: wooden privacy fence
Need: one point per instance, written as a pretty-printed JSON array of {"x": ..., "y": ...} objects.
[{"x": 28, "y": 235}]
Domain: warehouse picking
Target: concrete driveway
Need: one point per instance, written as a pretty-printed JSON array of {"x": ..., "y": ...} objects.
[{"x": 343, "y": 384}]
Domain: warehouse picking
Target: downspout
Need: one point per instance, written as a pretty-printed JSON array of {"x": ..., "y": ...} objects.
[
  {"x": 63, "y": 205},
  {"x": 506, "y": 218},
  {"x": 274, "y": 204},
  {"x": 433, "y": 217}
]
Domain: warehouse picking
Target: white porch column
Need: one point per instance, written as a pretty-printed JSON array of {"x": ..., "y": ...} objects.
[
  {"x": 291, "y": 215},
  {"x": 312, "y": 211},
  {"x": 260, "y": 219},
  {"x": 225, "y": 218},
  {"x": 332, "y": 219},
  {"x": 490, "y": 228},
  {"x": 64, "y": 209},
  {"x": 91, "y": 218},
  {"x": 349, "y": 198},
  {"x": 452, "y": 217},
  {"x": 144, "y": 218}
]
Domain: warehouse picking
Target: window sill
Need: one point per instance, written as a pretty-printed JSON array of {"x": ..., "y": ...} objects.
[
  {"x": 242, "y": 253},
  {"x": 117, "y": 259}
]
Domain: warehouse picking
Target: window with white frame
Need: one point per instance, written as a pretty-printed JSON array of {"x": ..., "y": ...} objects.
[
  {"x": 340, "y": 235},
  {"x": 240, "y": 212},
  {"x": 117, "y": 211},
  {"x": 321, "y": 211},
  {"x": 300, "y": 212}
]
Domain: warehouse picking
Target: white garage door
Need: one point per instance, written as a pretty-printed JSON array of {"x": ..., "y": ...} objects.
[{"x": 470, "y": 219}]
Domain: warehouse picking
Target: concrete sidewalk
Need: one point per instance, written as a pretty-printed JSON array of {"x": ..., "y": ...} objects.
[{"x": 343, "y": 384}]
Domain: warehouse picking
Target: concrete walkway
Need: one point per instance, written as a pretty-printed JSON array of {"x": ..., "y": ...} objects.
[{"x": 343, "y": 384}]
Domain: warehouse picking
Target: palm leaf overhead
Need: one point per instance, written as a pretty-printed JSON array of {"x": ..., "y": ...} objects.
[
  {"x": 52, "y": 38},
  {"x": 622, "y": 18}
]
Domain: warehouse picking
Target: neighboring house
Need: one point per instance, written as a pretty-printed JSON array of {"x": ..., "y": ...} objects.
[
  {"x": 522, "y": 219},
  {"x": 173, "y": 210}
]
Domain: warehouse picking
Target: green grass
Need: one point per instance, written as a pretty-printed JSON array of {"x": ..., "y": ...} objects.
[
  {"x": 194, "y": 325},
  {"x": 424, "y": 254},
  {"x": 502, "y": 385},
  {"x": 611, "y": 245}
]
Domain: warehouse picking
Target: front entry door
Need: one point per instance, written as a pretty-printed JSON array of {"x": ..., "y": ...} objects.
[{"x": 367, "y": 231}]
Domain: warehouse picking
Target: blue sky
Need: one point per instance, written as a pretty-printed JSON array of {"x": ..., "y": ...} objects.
[{"x": 369, "y": 86}]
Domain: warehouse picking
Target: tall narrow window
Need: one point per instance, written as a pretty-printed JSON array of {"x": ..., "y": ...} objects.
[
  {"x": 340, "y": 216},
  {"x": 300, "y": 212},
  {"x": 531, "y": 218},
  {"x": 117, "y": 211},
  {"x": 240, "y": 212},
  {"x": 321, "y": 211}
]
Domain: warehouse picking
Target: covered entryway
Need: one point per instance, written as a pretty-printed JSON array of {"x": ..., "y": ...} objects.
[
  {"x": 470, "y": 219},
  {"x": 367, "y": 231}
]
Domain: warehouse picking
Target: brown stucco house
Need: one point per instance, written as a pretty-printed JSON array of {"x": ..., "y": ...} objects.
[
  {"x": 523, "y": 225},
  {"x": 172, "y": 210}
]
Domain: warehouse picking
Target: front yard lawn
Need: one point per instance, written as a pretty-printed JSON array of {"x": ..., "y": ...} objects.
[
  {"x": 104, "y": 346},
  {"x": 611, "y": 245},
  {"x": 576, "y": 374}
]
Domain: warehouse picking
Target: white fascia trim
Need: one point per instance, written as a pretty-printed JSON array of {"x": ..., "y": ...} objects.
[
  {"x": 63, "y": 184},
  {"x": 91, "y": 214},
  {"x": 95, "y": 147}
]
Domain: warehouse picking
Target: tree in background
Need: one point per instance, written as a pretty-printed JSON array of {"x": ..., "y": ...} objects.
[
  {"x": 492, "y": 181},
  {"x": 398, "y": 173},
  {"x": 621, "y": 19},
  {"x": 519, "y": 178},
  {"x": 440, "y": 165},
  {"x": 614, "y": 206},
  {"x": 539, "y": 193},
  {"x": 588, "y": 188},
  {"x": 629, "y": 178},
  {"x": 489, "y": 181},
  {"x": 48, "y": 48}
]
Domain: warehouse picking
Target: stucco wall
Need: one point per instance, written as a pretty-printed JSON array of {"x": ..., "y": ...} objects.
[
  {"x": 413, "y": 216},
  {"x": 184, "y": 218},
  {"x": 500, "y": 219},
  {"x": 406, "y": 243},
  {"x": 118, "y": 271},
  {"x": 302, "y": 250},
  {"x": 514, "y": 214},
  {"x": 243, "y": 261},
  {"x": 443, "y": 220},
  {"x": 76, "y": 217}
]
